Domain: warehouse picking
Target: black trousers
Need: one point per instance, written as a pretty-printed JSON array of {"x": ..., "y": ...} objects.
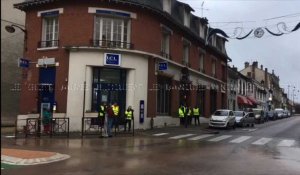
[
  {"x": 128, "y": 122},
  {"x": 197, "y": 119},
  {"x": 182, "y": 120}
]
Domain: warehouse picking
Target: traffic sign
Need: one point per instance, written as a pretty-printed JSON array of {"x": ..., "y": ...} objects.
[{"x": 23, "y": 63}]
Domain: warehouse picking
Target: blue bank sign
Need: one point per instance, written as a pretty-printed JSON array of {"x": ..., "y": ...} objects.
[
  {"x": 112, "y": 59},
  {"x": 23, "y": 63},
  {"x": 162, "y": 66}
]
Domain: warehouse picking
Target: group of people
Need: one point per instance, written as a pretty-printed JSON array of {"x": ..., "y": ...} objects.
[
  {"x": 109, "y": 116},
  {"x": 186, "y": 114}
]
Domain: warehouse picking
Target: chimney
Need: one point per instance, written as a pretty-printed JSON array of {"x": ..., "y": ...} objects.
[
  {"x": 261, "y": 67},
  {"x": 246, "y": 64},
  {"x": 255, "y": 64},
  {"x": 273, "y": 72}
]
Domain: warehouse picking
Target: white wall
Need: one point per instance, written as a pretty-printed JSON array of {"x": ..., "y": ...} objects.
[{"x": 80, "y": 64}]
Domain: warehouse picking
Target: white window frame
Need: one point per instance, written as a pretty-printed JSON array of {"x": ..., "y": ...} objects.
[
  {"x": 186, "y": 18},
  {"x": 167, "y": 6}
]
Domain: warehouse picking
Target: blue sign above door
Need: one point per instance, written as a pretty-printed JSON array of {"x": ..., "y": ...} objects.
[
  {"x": 162, "y": 66},
  {"x": 112, "y": 59}
]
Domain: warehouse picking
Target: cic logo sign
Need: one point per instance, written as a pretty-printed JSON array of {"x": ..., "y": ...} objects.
[{"x": 111, "y": 59}]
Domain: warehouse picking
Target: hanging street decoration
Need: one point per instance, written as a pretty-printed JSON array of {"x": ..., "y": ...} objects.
[{"x": 258, "y": 32}]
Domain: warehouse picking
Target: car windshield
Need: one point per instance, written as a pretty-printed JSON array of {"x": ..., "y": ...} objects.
[
  {"x": 221, "y": 113},
  {"x": 239, "y": 113}
]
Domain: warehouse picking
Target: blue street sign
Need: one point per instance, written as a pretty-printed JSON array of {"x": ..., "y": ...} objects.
[
  {"x": 162, "y": 66},
  {"x": 112, "y": 59},
  {"x": 23, "y": 63}
]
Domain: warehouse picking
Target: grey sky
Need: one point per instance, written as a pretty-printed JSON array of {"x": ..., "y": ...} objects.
[{"x": 281, "y": 53}]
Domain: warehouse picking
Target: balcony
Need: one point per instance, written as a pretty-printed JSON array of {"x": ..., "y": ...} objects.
[
  {"x": 111, "y": 44},
  {"x": 48, "y": 44}
]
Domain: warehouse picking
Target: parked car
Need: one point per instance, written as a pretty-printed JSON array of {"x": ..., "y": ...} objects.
[
  {"x": 279, "y": 112},
  {"x": 259, "y": 115},
  {"x": 238, "y": 117},
  {"x": 244, "y": 118},
  {"x": 287, "y": 113},
  {"x": 222, "y": 118},
  {"x": 271, "y": 115}
]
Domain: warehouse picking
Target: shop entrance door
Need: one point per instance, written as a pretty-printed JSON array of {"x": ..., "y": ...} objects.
[
  {"x": 109, "y": 86},
  {"x": 46, "y": 87}
]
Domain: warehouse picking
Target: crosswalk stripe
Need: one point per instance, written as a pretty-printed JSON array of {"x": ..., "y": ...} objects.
[
  {"x": 181, "y": 136},
  {"x": 286, "y": 143},
  {"x": 220, "y": 138},
  {"x": 161, "y": 134},
  {"x": 240, "y": 139},
  {"x": 201, "y": 137},
  {"x": 262, "y": 141}
]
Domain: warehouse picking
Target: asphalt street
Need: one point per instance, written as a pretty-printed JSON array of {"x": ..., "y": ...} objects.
[{"x": 270, "y": 148}]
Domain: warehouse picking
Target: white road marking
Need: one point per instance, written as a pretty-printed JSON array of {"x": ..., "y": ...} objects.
[
  {"x": 262, "y": 141},
  {"x": 161, "y": 134},
  {"x": 240, "y": 139},
  {"x": 220, "y": 138},
  {"x": 181, "y": 136},
  {"x": 201, "y": 137},
  {"x": 286, "y": 143}
]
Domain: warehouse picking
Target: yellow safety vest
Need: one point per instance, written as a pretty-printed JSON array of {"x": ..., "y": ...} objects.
[
  {"x": 181, "y": 112},
  {"x": 128, "y": 114},
  {"x": 101, "y": 112},
  {"x": 115, "y": 110},
  {"x": 196, "y": 111}
]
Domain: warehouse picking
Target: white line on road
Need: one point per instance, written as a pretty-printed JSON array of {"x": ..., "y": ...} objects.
[
  {"x": 181, "y": 136},
  {"x": 262, "y": 141},
  {"x": 286, "y": 143},
  {"x": 161, "y": 134},
  {"x": 220, "y": 138},
  {"x": 240, "y": 139},
  {"x": 201, "y": 137}
]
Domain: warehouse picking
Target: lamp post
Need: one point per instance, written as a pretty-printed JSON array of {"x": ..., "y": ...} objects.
[{"x": 11, "y": 29}]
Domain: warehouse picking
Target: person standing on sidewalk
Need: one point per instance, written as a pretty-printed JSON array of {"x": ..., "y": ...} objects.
[
  {"x": 110, "y": 120},
  {"x": 189, "y": 115},
  {"x": 196, "y": 114},
  {"x": 129, "y": 118},
  {"x": 46, "y": 121},
  {"x": 116, "y": 110},
  {"x": 181, "y": 114},
  {"x": 101, "y": 114}
]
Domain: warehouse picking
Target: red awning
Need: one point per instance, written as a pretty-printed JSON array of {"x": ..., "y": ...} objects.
[
  {"x": 253, "y": 100},
  {"x": 242, "y": 100}
]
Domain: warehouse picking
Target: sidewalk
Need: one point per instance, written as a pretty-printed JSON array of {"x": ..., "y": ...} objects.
[{"x": 27, "y": 157}]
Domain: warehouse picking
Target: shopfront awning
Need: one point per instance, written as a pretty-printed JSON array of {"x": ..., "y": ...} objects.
[
  {"x": 253, "y": 100},
  {"x": 242, "y": 100}
]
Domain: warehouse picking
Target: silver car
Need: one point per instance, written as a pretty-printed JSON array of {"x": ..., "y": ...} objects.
[
  {"x": 239, "y": 115},
  {"x": 248, "y": 119},
  {"x": 222, "y": 118}
]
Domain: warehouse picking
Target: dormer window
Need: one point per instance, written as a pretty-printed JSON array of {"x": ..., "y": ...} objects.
[
  {"x": 186, "y": 18},
  {"x": 167, "y": 6}
]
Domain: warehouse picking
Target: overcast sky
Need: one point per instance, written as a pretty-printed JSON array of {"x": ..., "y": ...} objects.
[{"x": 278, "y": 53}]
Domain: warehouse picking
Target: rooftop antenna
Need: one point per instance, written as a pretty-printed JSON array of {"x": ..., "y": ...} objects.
[{"x": 202, "y": 9}]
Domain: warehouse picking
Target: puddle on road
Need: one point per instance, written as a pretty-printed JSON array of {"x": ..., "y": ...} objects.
[{"x": 289, "y": 156}]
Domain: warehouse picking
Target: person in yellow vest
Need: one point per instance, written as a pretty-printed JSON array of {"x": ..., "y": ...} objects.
[
  {"x": 189, "y": 115},
  {"x": 181, "y": 114},
  {"x": 128, "y": 117},
  {"x": 116, "y": 109},
  {"x": 101, "y": 114},
  {"x": 196, "y": 115}
]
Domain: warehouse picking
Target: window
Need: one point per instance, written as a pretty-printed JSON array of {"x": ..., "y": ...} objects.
[
  {"x": 163, "y": 95},
  {"x": 200, "y": 101},
  {"x": 213, "y": 67},
  {"x": 167, "y": 6},
  {"x": 165, "y": 43},
  {"x": 186, "y": 18},
  {"x": 50, "y": 32},
  {"x": 111, "y": 32},
  {"x": 186, "y": 50},
  {"x": 203, "y": 31},
  {"x": 201, "y": 67}
]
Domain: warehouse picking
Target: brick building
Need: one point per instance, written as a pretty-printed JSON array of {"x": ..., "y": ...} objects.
[{"x": 149, "y": 54}]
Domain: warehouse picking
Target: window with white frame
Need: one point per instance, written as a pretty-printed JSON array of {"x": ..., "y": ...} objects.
[
  {"x": 50, "y": 32},
  {"x": 203, "y": 30},
  {"x": 163, "y": 102},
  {"x": 186, "y": 18},
  {"x": 186, "y": 51},
  {"x": 165, "y": 42},
  {"x": 167, "y": 4},
  {"x": 201, "y": 66},
  {"x": 111, "y": 32}
]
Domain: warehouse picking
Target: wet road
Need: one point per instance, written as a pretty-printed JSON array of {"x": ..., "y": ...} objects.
[{"x": 191, "y": 152}]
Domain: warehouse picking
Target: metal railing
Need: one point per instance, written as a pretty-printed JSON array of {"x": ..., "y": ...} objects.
[
  {"x": 111, "y": 44},
  {"x": 91, "y": 126},
  {"x": 60, "y": 126},
  {"x": 49, "y": 43},
  {"x": 32, "y": 127}
]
